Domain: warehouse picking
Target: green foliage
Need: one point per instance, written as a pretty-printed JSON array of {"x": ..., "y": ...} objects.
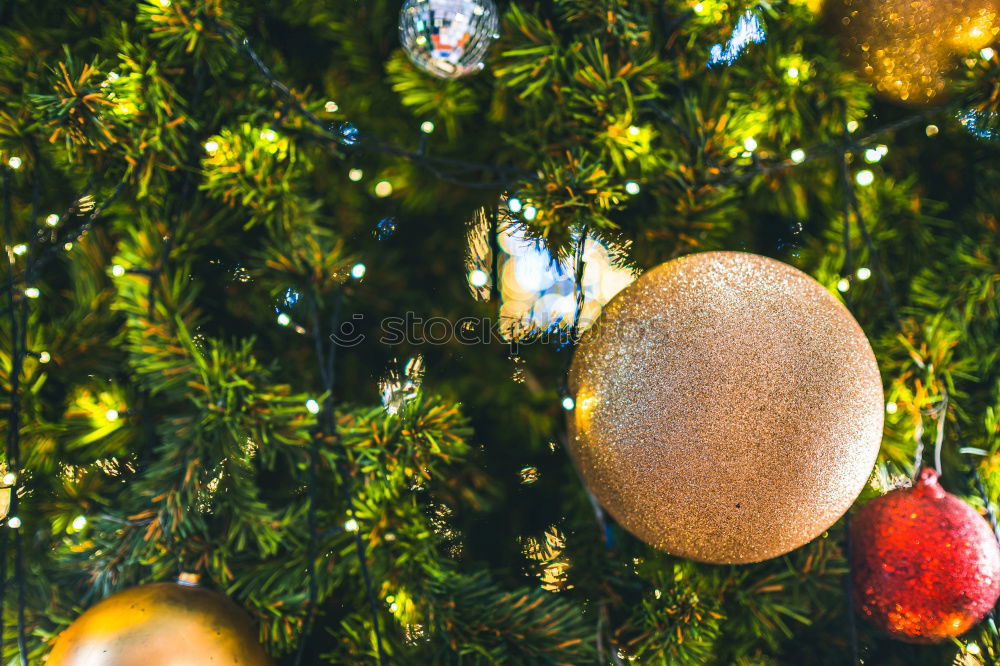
[{"x": 185, "y": 405}]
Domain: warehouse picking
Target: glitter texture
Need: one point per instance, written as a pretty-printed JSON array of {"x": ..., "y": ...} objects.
[
  {"x": 728, "y": 408},
  {"x": 907, "y": 47},
  {"x": 925, "y": 566},
  {"x": 448, "y": 38}
]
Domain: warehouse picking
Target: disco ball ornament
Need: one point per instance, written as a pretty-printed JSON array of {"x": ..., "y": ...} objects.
[
  {"x": 728, "y": 408},
  {"x": 448, "y": 38},
  {"x": 906, "y": 48},
  {"x": 161, "y": 624},
  {"x": 925, "y": 567}
]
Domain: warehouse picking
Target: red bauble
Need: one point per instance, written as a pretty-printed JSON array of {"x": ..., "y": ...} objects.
[{"x": 925, "y": 566}]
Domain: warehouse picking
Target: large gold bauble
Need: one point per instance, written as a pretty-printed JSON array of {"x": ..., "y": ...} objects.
[
  {"x": 728, "y": 408},
  {"x": 908, "y": 47},
  {"x": 161, "y": 624}
]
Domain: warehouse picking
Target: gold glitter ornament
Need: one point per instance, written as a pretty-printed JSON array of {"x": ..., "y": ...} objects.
[
  {"x": 907, "y": 47},
  {"x": 728, "y": 408}
]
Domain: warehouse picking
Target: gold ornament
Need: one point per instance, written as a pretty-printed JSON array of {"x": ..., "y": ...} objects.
[
  {"x": 161, "y": 624},
  {"x": 907, "y": 47},
  {"x": 728, "y": 408}
]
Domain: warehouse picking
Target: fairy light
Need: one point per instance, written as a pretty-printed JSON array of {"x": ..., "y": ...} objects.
[
  {"x": 383, "y": 188},
  {"x": 891, "y": 408},
  {"x": 14, "y": 162},
  {"x": 312, "y": 406},
  {"x": 32, "y": 292},
  {"x": 514, "y": 205},
  {"x": 865, "y": 177},
  {"x": 331, "y": 107},
  {"x": 633, "y": 130},
  {"x": 798, "y": 156},
  {"x": 568, "y": 404},
  {"x": 44, "y": 357},
  {"x": 355, "y": 175},
  {"x": 52, "y": 220},
  {"x": 79, "y": 523},
  {"x": 20, "y": 249},
  {"x": 883, "y": 149},
  {"x": 478, "y": 278},
  {"x": 351, "y": 525},
  {"x": 164, "y": 3},
  {"x": 632, "y": 187},
  {"x": 118, "y": 270},
  {"x": 793, "y": 73},
  {"x": 699, "y": 8},
  {"x": 211, "y": 147},
  {"x": 358, "y": 271},
  {"x": 427, "y": 127},
  {"x": 284, "y": 319},
  {"x": 987, "y": 54},
  {"x": 111, "y": 415},
  {"x": 972, "y": 648},
  {"x": 13, "y": 522},
  {"x": 931, "y": 130},
  {"x": 864, "y": 273},
  {"x": 67, "y": 246},
  {"x": 268, "y": 135},
  {"x": 9, "y": 479},
  {"x": 852, "y": 126},
  {"x": 750, "y": 143},
  {"x": 843, "y": 285},
  {"x": 530, "y": 213},
  {"x": 873, "y": 155}
]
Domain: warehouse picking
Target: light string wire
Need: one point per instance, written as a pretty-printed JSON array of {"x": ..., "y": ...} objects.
[
  {"x": 846, "y": 270},
  {"x": 17, "y": 315},
  {"x": 327, "y": 426}
]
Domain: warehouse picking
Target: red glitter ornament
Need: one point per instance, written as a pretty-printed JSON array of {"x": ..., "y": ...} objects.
[{"x": 925, "y": 566}]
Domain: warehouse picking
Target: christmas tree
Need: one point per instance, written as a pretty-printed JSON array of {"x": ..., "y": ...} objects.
[{"x": 290, "y": 296}]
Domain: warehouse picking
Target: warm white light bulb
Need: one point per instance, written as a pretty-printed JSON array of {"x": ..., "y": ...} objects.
[
  {"x": 32, "y": 292},
  {"x": 355, "y": 174},
  {"x": 44, "y": 357},
  {"x": 864, "y": 273},
  {"x": 750, "y": 143},
  {"x": 383, "y": 188},
  {"x": 14, "y": 162},
  {"x": 632, "y": 187},
  {"x": 568, "y": 403},
  {"x": 111, "y": 415},
  {"x": 843, "y": 285},
  {"x": 865, "y": 178},
  {"x": 79, "y": 523},
  {"x": 211, "y": 147},
  {"x": 14, "y": 522},
  {"x": 284, "y": 319},
  {"x": 52, "y": 220},
  {"x": 358, "y": 271},
  {"x": 351, "y": 525},
  {"x": 312, "y": 406},
  {"x": 427, "y": 127},
  {"x": 530, "y": 213},
  {"x": 798, "y": 155},
  {"x": 478, "y": 278}
]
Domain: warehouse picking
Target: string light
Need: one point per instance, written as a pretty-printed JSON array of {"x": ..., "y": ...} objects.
[
  {"x": 284, "y": 319},
  {"x": 355, "y": 174},
  {"x": 312, "y": 406},
  {"x": 118, "y": 270},
  {"x": 44, "y": 357},
  {"x": 20, "y": 249},
  {"x": 79, "y": 523},
  {"x": 514, "y": 205},
  {"x": 864, "y": 273},
  {"x": 891, "y": 408},
  {"x": 632, "y": 187},
  {"x": 568, "y": 404},
  {"x": 211, "y": 147},
  {"x": 865, "y": 178},
  {"x": 882, "y": 148},
  {"x": 358, "y": 271},
  {"x": 633, "y": 130},
  {"x": 798, "y": 156},
  {"x": 873, "y": 155},
  {"x": 793, "y": 73},
  {"x": 843, "y": 285},
  {"x": 931, "y": 130},
  {"x": 52, "y": 220},
  {"x": 331, "y": 107},
  {"x": 530, "y": 213},
  {"x": 478, "y": 278},
  {"x": 351, "y": 525},
  {"x": 164, "y": 3},
  {"x": 32, "y": 292},
  {"x": 14, "y": 522},
  {"x": 750, "y": 143},
  {"x": 852, "y": 126},
  {"x": 14, "y": 162},
  {"x": 972, "y": 648},
  {"x": 9, "y": 479},
  {"x": 383, "y": 188},
  {"x": 67, "y": 246},
  {"x": 268, "y": 135},
  {"x": 987, "y": 54},
  {"x": 427, "y": 127},
  {"x": 699, "y": 8},
  {"x": 111, "y": 415}
]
